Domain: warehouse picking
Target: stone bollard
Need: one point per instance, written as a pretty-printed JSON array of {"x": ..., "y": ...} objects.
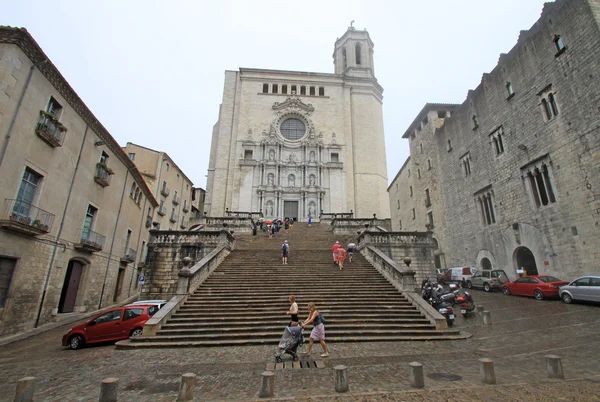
[
  {"x": 554, "y": 367},
  {"x": 109, "y": 390},
  {"x": 267, "y": 385},
  {"x": 416, "y": 375},
  {"x": 25, "y": 389},
  {"x": 186, "y": 387},
  {"x": 486, "y": 371},
  {"x": 341, "y": 378},
  {"x": 487, "y": 318},
  {"x": 480, "y": 310}
]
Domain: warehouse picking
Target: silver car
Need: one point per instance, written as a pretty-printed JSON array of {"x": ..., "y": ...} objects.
[
  {"x": 488, "y": 280},
  {"x": 586, "y": 288}
]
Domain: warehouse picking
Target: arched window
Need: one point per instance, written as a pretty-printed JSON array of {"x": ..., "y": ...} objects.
[
  {"x": 344, "y": 58},
  {"x": 509, "y": 89},
  {"x": 357, "y": 51},
  {"x": 553, "y": 104},
  {"x": 546, "y": 108},
  {"x": 559, "y": 43},
  {"x": 132, "y": 189},
  {"x": 139, "y": 198},
  {"x": 137, "y": 192}
]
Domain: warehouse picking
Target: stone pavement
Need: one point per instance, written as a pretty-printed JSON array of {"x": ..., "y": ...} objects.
[{"x": 523, "y": 331}]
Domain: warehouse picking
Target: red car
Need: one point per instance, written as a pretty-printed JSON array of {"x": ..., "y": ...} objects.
[
  {"x": 112, "y": 325},
  {"x": 538, "y": 286}
]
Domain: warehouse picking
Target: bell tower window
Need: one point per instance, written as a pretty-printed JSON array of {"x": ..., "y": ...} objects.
[{"x": 358, "y": 51}]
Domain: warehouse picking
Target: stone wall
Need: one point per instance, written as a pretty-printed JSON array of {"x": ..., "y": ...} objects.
[
  {"x": 416, "y": 248},
  {"x": 561, "y": 232},
  {"x": 166, "y": 252}
]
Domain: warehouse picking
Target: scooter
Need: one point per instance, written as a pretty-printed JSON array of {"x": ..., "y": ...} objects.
[
  {"x": 465, "y": 303},
  {"x": 445, "y": 309}
]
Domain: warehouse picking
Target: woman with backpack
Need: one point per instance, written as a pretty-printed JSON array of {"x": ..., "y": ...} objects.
[{"x": 318, "y": 331}]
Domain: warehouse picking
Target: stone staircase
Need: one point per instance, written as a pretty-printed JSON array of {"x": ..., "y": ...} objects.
[{"x": 245, "y": 299}]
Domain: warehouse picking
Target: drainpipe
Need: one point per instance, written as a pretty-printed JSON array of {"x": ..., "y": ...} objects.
[
  {"x": 60, "y": 228},
  {"x": 112, "y": 243},
  {"x": 12, "y": 122},
  {"x": 138, "y": 245}
]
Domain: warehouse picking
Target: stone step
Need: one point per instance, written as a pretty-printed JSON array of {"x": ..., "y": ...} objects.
[
  {"x": 252, "y": 327},
  {"x": 364, "y": 315},
  {"x": 277, "y": 295},
  {"x": 305, "y": 286},
  {"x": 409, "y": 316},
  {"x": 280, "y": 321},
  {"x": 133, "y": 344},
  {"x": 242, "y": 309},
  {"x": 276, "y": 334}
]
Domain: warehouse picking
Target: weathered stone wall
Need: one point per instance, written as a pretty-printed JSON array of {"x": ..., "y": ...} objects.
[
  {"x": 166, "y": 252},
  {"x": 563, "y": 236}
]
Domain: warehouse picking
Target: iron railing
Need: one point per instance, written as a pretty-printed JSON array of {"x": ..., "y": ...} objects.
[
  {"x": 174, "y": 217},
  {"x": 164, "y": 191},
  {"x": 90, "y": 239},
  {"x": 176, "y": 199},
  {"x": 162, "y": 211},
  {"x": 130, "y": 255},
  {"x": 185, "y": 207},
  {"x": 103, "y": 174},
  {"x": 50, "y": 129},
  {"x": 24, "y": 213}
]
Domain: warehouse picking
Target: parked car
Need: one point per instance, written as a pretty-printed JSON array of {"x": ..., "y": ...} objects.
[
  {"x": 488, "y": 280},
  {"x": 461, "y": 274},
  {"x": 442, "y": 275},
  {"x": 112, "y": 325},
  {"x": 538, "y": 286},
  {"x": 586, "y": 288},
  {"x": 159, "y": 303}
]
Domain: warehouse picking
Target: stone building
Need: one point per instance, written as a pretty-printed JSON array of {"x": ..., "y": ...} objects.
[
  {"x": 71, "y": 233},
  {"x": 198, "y": 197},
  {"x": 291, "y": 143},
  {"x": 519, "y": 160},
  {"x": 170, "y": 186},
  {"x": 417, "y": 183}
]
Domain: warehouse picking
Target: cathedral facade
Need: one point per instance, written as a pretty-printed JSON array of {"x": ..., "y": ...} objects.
[{"x": 293, "y": 144}]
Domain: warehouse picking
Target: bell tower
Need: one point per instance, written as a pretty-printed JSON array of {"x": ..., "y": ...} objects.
[{"x": 353, "y": 54}]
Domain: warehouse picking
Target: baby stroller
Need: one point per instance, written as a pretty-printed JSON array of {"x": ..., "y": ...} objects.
[{"x": 291, "y": 339}]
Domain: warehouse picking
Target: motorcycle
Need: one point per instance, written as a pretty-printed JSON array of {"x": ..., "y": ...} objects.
[
  {"x": 444, "y": 308},
  {"x": 465, "y": 303}
]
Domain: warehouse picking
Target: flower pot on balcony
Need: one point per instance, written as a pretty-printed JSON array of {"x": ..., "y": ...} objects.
[{"x": 13, "y": 217}]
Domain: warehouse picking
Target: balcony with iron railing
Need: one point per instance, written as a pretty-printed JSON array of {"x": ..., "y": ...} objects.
[
  {"x": 130, "y": 255},
  {"x": 90, "y": 241},
  {"x": 184, "y": 224},
  {"x": 50, "y": 129},
  {"x": 21, "y": 216},
  {"x": 148, "y": 221},
  {"x": 427, "y": 202},
  {"x": 174, "y": 217},
  {"x": 164, "y": 191},
  {"x": 176, "y": 199},
  {"x": 162, "y": 211},
  {"x": 103, "y": 174},
  {"x": 185, "y": 207}
]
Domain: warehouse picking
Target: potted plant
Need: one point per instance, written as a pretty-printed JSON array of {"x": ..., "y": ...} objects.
[
  {"x": 13, "y": 217},
  {"x": 36, "y": 223}
]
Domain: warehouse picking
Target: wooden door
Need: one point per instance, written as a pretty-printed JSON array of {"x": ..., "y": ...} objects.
[{"x": 70, "y": 287}]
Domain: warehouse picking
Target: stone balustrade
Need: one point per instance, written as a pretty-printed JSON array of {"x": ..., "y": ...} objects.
[
  {"x": 238, "y": 224},
  {"x": 418, "y": 247},
  {"x": 167, "y": 252},
  {"x": 328, "y": 217},
  {"x": 240, "y": 214},
  {"x": 352, "y": 225}
]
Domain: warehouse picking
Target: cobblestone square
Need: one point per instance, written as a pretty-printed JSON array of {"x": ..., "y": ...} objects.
[{"x": 523, "y": 331}]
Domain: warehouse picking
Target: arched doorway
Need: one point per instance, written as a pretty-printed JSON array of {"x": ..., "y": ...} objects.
[
  {"x": 70, "y": 287},
  {"x": 524, "y": 258},
  {"x": 486, "y": 264}
]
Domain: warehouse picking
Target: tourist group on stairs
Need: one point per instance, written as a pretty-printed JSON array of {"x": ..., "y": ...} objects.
[{"x": 340, "y": 253}]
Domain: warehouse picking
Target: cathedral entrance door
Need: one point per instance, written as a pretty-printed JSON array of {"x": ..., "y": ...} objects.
[{"x": 290, "y": 209}]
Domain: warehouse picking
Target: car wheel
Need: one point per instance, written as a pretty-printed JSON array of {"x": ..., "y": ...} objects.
[
  {"x": 136, "y": 332},
  {"x": 567, "y": 298},
  {"x": 76, "y": 342},
  {"x": 506, "y": 290},
  {"x": 486, "y": 287},
  {"x": 469, "y": 285},
  {"x": 538, "y": 294}
]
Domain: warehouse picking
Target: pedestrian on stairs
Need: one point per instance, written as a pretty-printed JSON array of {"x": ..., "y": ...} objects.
[
  {"x": 309, "y": 220},
  {"x": 291, "y": 223},
  {"x": 293, "y": 311},
  {"x": 350, "y": 251},
  {"x": 285, "y": 251},
  {"x": 286, "y": 225},
  {"x": 318, "y": 331},
  {"x": 340, "y": 257},
  {"x": 333, "y": 250}
]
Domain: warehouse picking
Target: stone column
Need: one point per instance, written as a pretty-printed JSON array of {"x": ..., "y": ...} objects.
[
  {"x": 109, "y": 390},
  {"x": 554, "y": 367},
  {"x": 186, "y": 387},
  {"x": 341, "y": 378},
  {"x": 417, "y": 380},
  {"x": 486, "y": 371},
  {"x": 267, "y": 384}
]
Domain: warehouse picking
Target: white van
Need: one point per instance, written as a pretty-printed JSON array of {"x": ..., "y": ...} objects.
[{"x": 461, "y": 274}]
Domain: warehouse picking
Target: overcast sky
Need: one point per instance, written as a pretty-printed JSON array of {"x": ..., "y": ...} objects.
[{"x": 152, "y": 71}]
